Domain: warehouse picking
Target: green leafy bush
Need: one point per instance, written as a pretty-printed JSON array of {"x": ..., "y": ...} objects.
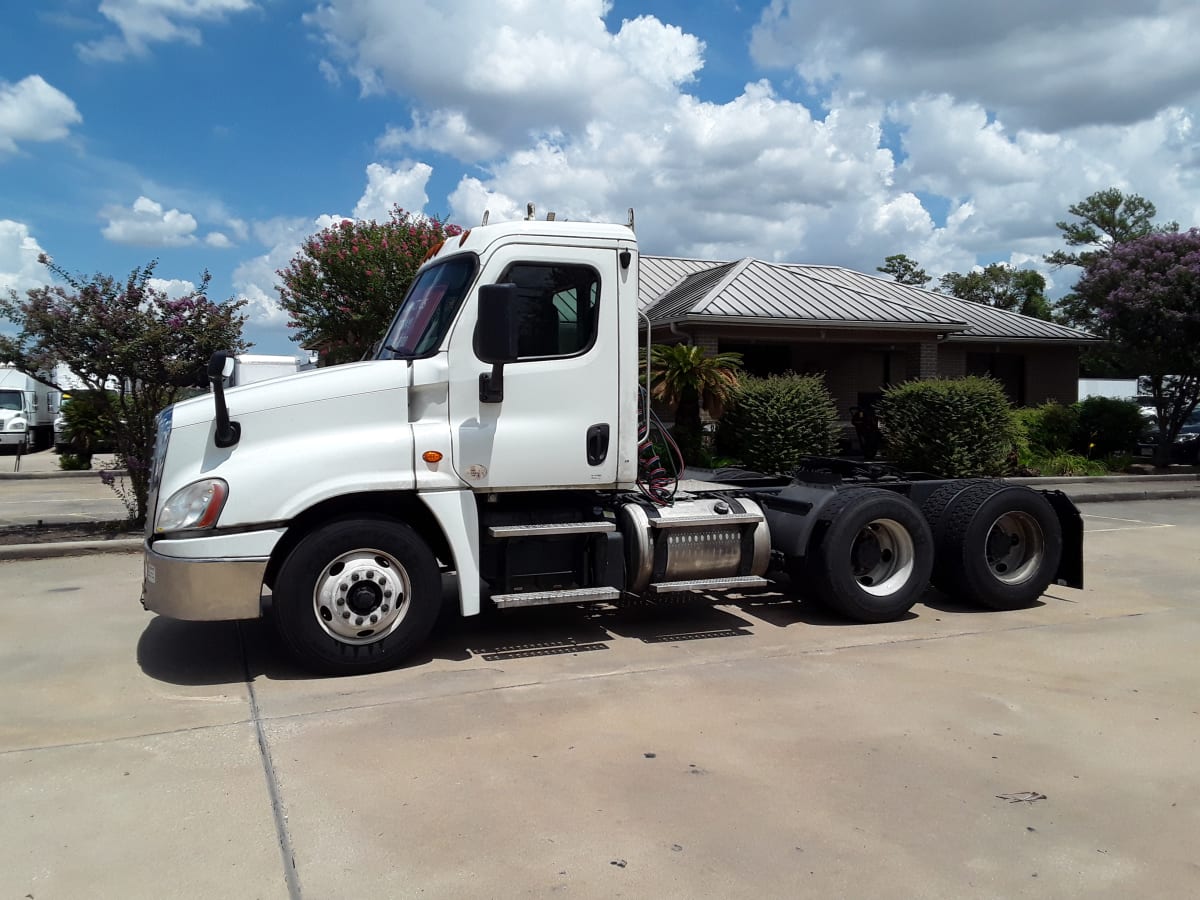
[
  {"x": 955, "y": 428},
  {"x": 70, "y": 462},
  {"x": 89, "y": 423},
  {"x": 1105, "y": 426},
  {"x": 1051, "y": 428},
  {"x": 770, "y": 423},
  {"x": 1066, "y": 465}
]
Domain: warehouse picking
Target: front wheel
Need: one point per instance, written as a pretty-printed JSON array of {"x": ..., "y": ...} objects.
[
  {"x": 870, "y": 557},
  {"x": 357, "y": 595}
]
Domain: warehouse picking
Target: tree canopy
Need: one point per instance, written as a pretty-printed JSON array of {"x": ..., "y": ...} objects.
[
  {"x": 689, "y": 379},
  {"x": 127, "y": 336},
  {"x": 1017, "y": 290},
  {"x": 1106, "y": 218},
  {"x": 904, "y": 270},
  {"x": 1144, "y": 297},
  {"x": 343, "y": 287}
]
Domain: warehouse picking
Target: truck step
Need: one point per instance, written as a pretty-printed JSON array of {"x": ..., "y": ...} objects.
[
  {"x": 706, "y": 521},
  {"x": 521, "y": 531},
  {"x": 709, "y": 584},
  {"x": 547, "y": 598}
]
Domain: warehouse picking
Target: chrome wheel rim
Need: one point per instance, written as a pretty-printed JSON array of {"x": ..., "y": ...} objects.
[
  {"x": 361, "y": 596},
  {"x": 1015, "y": 547},
  {"x": 882, "y": 557}
]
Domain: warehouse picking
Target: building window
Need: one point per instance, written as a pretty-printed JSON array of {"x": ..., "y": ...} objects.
[
  {"x": 1007, "y": 368},
  {"x": 761, "y": 359}
]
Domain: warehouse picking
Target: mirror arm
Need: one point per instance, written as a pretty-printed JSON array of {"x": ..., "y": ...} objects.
[
  {"x": 491, "y": 385},
  {"x": 228, "y": 433}
]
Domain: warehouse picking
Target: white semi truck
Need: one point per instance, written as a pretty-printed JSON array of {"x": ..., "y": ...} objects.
[
  {"x": 498, "y": 435},
  {"x": 27, "y": 408}
]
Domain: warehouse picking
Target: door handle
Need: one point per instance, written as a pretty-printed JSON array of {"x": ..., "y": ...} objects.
[{"x": 597, "y": 444}]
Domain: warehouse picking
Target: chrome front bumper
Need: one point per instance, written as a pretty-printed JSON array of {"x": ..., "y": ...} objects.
[{"x": 199, "y": 589}]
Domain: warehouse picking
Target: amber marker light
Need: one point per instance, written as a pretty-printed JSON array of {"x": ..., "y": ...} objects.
[{"x": 431, "y": 456}]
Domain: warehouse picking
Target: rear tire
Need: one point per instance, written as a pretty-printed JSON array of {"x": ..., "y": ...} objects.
[
  {"x": 870, "y": 556},
  {"x": 357, "y": 595},
  {"x": 997, "y": 545}
]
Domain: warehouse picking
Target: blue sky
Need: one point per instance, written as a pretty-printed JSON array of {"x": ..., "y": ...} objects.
[{"x": 217, "y": 134}]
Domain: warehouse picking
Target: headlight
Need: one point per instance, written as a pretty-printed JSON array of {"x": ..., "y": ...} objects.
[
  {"x": 196, "y": 506},
  {"x": 1186, "y": 437},
  {"x": 16, "y": 425}
]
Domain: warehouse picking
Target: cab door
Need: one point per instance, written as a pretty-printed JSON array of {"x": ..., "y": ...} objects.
[{"x": 556, "y": 425}]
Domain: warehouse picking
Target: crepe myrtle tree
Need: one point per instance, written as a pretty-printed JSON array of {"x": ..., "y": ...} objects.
[
  {"x": 1144, "y": 297},
  {"x": 136, "y": 348},
  {"x": 343, "y": 287}
]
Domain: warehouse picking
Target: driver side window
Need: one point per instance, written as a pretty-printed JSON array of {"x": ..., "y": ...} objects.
[{"x": 557, "y": 308}]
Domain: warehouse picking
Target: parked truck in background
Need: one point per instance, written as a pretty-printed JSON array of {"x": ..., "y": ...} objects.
[
  {"x": 27, "y": 409},
  {"x": 499, "y": 435}
]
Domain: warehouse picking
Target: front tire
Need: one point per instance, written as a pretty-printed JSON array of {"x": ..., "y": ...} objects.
[
  {"x": 870, "y": 556},
  {"x": 357, "y": 595}
]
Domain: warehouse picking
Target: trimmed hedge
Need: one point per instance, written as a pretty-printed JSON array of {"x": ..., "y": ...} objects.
[
  {"x": 770, "y": 423},
  {"x": 1106, "y": 426},
  {"x": 954, "y": 428}
]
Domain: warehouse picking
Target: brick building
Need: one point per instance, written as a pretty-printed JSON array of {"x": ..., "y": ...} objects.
[{"x": 862, "y": 333}]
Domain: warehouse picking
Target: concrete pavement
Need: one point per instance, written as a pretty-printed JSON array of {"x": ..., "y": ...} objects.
[{"x": 759, "y": 748}]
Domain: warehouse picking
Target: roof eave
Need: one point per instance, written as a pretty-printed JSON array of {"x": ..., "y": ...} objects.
[{"x": 855, "y": 325}]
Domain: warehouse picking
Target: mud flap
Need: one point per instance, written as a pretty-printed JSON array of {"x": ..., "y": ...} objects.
[{"x": 1070, "y": 567}]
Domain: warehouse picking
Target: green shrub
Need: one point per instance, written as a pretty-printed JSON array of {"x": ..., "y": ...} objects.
[
  {"x": 1066, "y": 465},
  {"x": 70, "y": 462},
  {"x": 955, "y": 428},
  {"x": 1105, "y": 426},
  {"x": 770, "y": 423},
  {"x": 1051, "y": 428},
  {"x": 88, "y": 420}
]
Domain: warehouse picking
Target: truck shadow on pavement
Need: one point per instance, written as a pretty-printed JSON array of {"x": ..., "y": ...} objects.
[{"x": 217, "y": 653}]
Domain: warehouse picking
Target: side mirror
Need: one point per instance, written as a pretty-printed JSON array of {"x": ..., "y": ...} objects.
[
  {"x": 220, "y": 364},
  {"x": 496, "y": 324}
]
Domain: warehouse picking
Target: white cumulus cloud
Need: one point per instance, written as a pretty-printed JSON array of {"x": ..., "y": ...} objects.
[
  {"x": 386, "y": 187},
  {"x": 147, "y": 224},
  {"x": 34, "y": 110},
  {"x": 19, "y": 266},
  {"x": 141, "y": 23}
]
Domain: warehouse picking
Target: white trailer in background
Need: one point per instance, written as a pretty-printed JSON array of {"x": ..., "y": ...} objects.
[
  {"x": 251, "y": 367},
  {"x": 27, "y": 408},
  {"x": 1114, "y": 388}
]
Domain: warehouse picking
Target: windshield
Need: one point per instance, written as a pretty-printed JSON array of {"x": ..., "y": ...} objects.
[
  {"x": 11, "y": 400},
  {"x": 428, "y": 308}
]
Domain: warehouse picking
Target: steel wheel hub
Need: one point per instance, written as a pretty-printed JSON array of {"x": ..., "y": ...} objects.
[
  {"x": 882, "y": 557},
  {"x": 1015, "y": 547},
  {"x": 361, "y": 596}
]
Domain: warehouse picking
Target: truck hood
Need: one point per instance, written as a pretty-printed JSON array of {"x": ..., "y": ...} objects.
[{"x": 313, "y": 386}]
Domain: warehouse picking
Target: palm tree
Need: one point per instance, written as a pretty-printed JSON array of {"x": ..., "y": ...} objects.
[{"x": 686, "y": 377}]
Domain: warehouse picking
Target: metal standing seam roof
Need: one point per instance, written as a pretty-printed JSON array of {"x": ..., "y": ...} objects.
[
  {"x": 753, "y": 289},
  {"x": 983, "y": 322},
  {"x": 672, "y": 289}
]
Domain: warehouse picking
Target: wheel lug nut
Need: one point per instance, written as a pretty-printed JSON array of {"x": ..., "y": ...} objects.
[
  {"x": 387, "y": 595},
  {"x": 346, "y": 614},
  {"x": 370, "y": 576},
  {"x": 384, "y": 608},
  {"x": 341, "y": 601},
  {"x": 374, "y": 618},
  {"x": 343, "y": 587},
  {"x": 354, "y": 577},
  {"x": 358, "y": 620}
]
